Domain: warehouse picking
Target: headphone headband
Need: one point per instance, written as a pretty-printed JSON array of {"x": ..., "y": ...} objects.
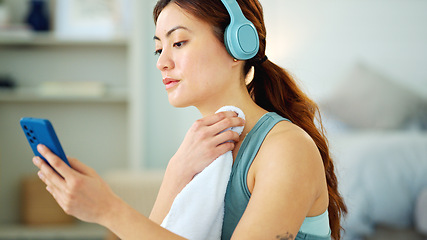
[
  {"x": 240, "y": 36},
  {"x": 234, "y": 10}
]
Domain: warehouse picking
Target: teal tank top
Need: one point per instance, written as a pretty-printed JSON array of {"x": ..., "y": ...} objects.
[{"x": 237, "y": 195}]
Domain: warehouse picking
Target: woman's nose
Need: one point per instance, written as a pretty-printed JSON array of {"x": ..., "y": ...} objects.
[{"x": 164, "y": 62}]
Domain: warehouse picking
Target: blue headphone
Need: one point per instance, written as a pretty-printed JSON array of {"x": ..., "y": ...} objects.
[{"x": 240, "y": 37}]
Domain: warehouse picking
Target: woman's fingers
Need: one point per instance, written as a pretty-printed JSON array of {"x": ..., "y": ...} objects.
[
  {"x": 226, "y": 123},
  {"x": 56, "y": 193},
  {"x": 224, "y": 147},
  {"x": 226, "y": 136},
  {"x": 80, "y": 167},
  {"x": 218, "y": 122},
  {"x": 60, "y": 166},
  {"x": 224, "y": 142},
  {"x": 47, "y": 174},
  {"x": 216, "y": 133},
  {"x": 212, "y": 119}
]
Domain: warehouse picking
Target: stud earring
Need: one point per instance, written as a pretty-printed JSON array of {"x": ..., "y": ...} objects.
[{"x": 235, "y": 60}]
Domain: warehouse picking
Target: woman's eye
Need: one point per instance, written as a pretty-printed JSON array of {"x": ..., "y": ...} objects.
[
  {"x": 179, "y": 44},
  {"x": 176, "y": 45},
  {"x": 158, "y": 52}
]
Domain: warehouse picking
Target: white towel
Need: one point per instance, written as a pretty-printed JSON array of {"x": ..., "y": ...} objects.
[{"x": 198, "y": 210}]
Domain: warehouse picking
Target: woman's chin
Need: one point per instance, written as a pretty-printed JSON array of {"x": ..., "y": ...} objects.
[{"x": 177, "y": 104}]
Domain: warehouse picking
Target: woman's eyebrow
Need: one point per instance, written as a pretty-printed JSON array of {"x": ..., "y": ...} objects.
[{"x": 171, "y": 31}]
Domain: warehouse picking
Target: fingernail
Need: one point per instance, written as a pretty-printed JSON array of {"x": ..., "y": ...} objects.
[
  {"x": 36, "y": 160},
  {"x": 41, "y": 147},
  {"x": 40, "y": 175}
]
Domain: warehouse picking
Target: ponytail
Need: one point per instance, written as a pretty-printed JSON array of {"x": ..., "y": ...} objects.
[{"x": 273, "y": 89}]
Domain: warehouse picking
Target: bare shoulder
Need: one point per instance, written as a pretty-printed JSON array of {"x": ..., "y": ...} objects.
[
  {"x": 287, "y": 141},
  {"x": 286, "y": 131},
  {"x": 290, "y": 155}
]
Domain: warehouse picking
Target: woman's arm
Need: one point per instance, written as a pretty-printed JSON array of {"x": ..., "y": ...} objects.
[
  {"x": 202, "y": 144},
  {"x": 82, "y": 193},
  {"x": 286, "y": 180}
]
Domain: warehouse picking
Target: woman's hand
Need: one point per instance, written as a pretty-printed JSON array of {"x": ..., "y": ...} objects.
[
  {"x": 79, "y": 190},
  {"x": 205, "y": 141}
]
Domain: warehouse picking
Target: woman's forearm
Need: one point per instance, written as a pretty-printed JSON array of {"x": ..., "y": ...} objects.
[
  {"x": 162, "y": 205},
  {"x": 172, "y": 184},
  {"x": 127, "y": 223}
]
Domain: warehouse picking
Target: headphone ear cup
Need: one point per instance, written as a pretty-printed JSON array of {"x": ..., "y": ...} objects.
[{"x": 241, "y": 40}]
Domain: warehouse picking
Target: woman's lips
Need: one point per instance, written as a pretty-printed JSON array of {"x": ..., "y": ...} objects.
[{"x": 170, "y": 82}]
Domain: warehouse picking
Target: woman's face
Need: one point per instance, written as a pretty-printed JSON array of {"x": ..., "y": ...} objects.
[{"x": 195, "y": 65}]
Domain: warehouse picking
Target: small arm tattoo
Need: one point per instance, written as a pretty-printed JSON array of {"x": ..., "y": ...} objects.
[{"x": 286, "y": 236}]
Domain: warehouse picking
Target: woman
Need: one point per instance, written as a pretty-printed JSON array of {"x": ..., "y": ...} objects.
[{"x": 289, "y": 189}]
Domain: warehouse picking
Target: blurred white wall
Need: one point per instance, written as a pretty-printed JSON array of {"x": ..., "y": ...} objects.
[{"x": 320, "y": 41}]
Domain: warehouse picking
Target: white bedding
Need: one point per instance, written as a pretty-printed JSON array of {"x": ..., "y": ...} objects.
[{"x": 381, "y": 174}]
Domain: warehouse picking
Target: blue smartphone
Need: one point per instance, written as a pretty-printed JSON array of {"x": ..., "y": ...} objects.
[{"x": 38, "y": 130}]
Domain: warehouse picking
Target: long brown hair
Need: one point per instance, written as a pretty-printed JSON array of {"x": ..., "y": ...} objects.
[{"x": 272, "y": 88}]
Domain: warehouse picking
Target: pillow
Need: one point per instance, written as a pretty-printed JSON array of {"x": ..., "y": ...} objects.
[
  {"x": 381, "y": 175},
  {"x": 367, "y": 99}
]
